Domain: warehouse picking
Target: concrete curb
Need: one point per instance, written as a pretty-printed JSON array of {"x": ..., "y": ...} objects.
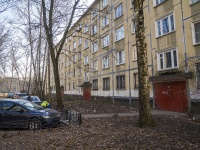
[{"x": 131, "y": 114}]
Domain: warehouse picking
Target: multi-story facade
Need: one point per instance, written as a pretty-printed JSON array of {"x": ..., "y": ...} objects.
[{"x": 101, "y": 48}]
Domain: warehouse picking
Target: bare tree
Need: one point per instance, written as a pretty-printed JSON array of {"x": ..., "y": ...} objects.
[
  {"x": 53, "y": 11},
  {"x": 145, "y": 117}
]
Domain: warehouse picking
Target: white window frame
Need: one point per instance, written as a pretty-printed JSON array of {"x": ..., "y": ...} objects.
[
  {"x": 80, "y": 41},
  {"x": 104, "y": 3},
  {"x": 86, "y": 28},
  {"x": 120, "y": 57},
  {"x": 133, "y": 27},
  {"x": 86, "y": 44},
  {"x": 74, "y": 45},
  {"x": 105, "y": 62},
  {"x": 106, "y": 84},
  {"x": 105, "y": 41},
  {"x": 119, "y": 33},
  {"x": 79, "y": 56},
  {"x": 94, "y": 29},
  {"x": 86, "y": 76},
  {"x": 171, "y": 27},
  {"x": 94, "y": 47},
  {"x": 94, "y": 13},
  {"x": 134, "y": 52},
  {"x": 86, "y": 60},
  {"x": 95, "y": 65},
  {"x": 161, "y": 57},
  {"x": 194, "y": 1},
  {"x": 158, "y": 2},
  {"x": 79, "y": 71},
  {"x": 119, "y": 11},
  {"x": 194, "y": 33},
  {"x": 105, "y": 21},
  {"x": 74, "y": 58}
]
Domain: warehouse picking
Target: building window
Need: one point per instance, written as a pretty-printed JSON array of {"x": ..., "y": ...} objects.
[
  {"x": 69, "y": 86},
  {"x": 104, "y": 3},
  {"x": 194, "y": 1},
  {"x": 105, "y": 21},
  {"x": 118, "y": 11},
  {"x": 105, "y": 62},
  {"x": 79, "y": 70},
  {"x": 80, "y": 41},
  {"x": 94, "y": 29},
  {"x": 165, "y": 25},
  {"x": 196, "y": 33},
  {"x": 134, "y": 51},
  {"x": 74, "y": 45},
  {"x": 74, "y": 58},
  {"x": 86, "y": 45},
  {"x": 167, "y": 60},
  {"x": 120, "y": 57},
  {"x": 94, "y": 13},
  {"x": 74, "y": 72},
  {"x": 119, "y": 33},
  {"x": 86, "y": 29},
  {"x": 74, "y": 86},
  {"x": 106, "y": 41},
  {"x": 86, "y": 60},
  {"x": 106, "y": 83},
  {"x": 198, "y": 75},
  {"x": 95, "y": 84},
  {"x": 94, "y": 47},
  {"x": 79, "y": 55},
  {"x": 86, "y": 76},
  {"x": 133, "y": 27},
  {"x": 74, "y": 33},
  {"x": 157, "y": 2},
  {"x": 136, "y": 80},
  {"x": 95, "y": 65},
  {"x": 121, "y": 82}
]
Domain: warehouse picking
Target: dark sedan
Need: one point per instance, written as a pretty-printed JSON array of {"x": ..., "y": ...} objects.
[
  {"x": 34, "y": 99},
  {"x": 24, "y": 114}
]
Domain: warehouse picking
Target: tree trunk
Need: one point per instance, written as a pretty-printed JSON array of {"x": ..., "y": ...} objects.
[{"x": 145, "y": 117}]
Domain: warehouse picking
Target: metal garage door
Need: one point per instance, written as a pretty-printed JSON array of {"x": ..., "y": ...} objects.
[{"x": 171, "y": 96}]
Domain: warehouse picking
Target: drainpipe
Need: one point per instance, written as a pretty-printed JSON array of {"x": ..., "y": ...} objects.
[{"x": 186, "y": 63}]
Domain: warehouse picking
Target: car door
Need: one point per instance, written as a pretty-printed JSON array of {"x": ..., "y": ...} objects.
[{"x": 13, "y": 115}]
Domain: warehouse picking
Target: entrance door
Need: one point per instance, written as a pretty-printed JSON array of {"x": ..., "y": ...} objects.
[{"x": 171, "y": 96}]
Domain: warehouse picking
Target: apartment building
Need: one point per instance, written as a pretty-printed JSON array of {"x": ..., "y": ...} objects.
[{"x": 101, "y": 49}]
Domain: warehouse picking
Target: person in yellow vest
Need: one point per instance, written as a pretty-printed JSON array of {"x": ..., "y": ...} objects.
[{"x": 45, "y": 104}]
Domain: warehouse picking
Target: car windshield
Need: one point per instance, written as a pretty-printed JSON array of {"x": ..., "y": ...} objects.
[{"x": 31, "y": 106}]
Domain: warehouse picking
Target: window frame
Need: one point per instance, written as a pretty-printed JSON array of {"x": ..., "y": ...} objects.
[
  {"x": 86, "y": 44},
  {"x": 120, "y": 57},
  {"x": 95, "y": 84},
  {"x": 119, "y": 33},
  {"x": 86, "y": 28},
  {"x": 104, "y": 3},
  {"x": 133, "y": 27},
  {"x": 86, "y": 60},
  {"x": 105, "y": 41},
  {"x": 194, "y": 33},
  {"x": 159, "y": 2},
  {"x": 94, "y": 29},
  {"x": 118, "y": 11},
  {"x": 159, "y": 28},
  {"x": 95, "y": 65},
  {"x": 106, "y": 84},
  {"x": 120, "y": 82},
  {"x": 164, "y": 61},
  {"x": 94, "y": 47},
  {"x": 105, "y": 62},
  {"x": 191, "y": 2},
  {"x": 105, "y": 21},
  {"x": 79, "y": 55}
]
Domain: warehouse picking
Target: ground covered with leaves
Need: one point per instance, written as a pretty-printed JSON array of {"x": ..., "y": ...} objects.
[
  {"x": 115, "y": 133},
  {"x": 108, "y": 133}
]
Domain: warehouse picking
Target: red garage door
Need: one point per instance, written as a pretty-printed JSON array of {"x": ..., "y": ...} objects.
[{"x": 171, "y": 96}]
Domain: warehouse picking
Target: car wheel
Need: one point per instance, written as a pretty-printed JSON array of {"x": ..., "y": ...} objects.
[{"x": 34, "y": 124}]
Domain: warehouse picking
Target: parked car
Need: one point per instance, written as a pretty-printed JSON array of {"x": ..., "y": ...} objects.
[
  {"x": 34, "y": 99},
  {"x": 25, "y": 114},
  {"x": 11, "y": 95},
  {"x": 21, "y": 95}
]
